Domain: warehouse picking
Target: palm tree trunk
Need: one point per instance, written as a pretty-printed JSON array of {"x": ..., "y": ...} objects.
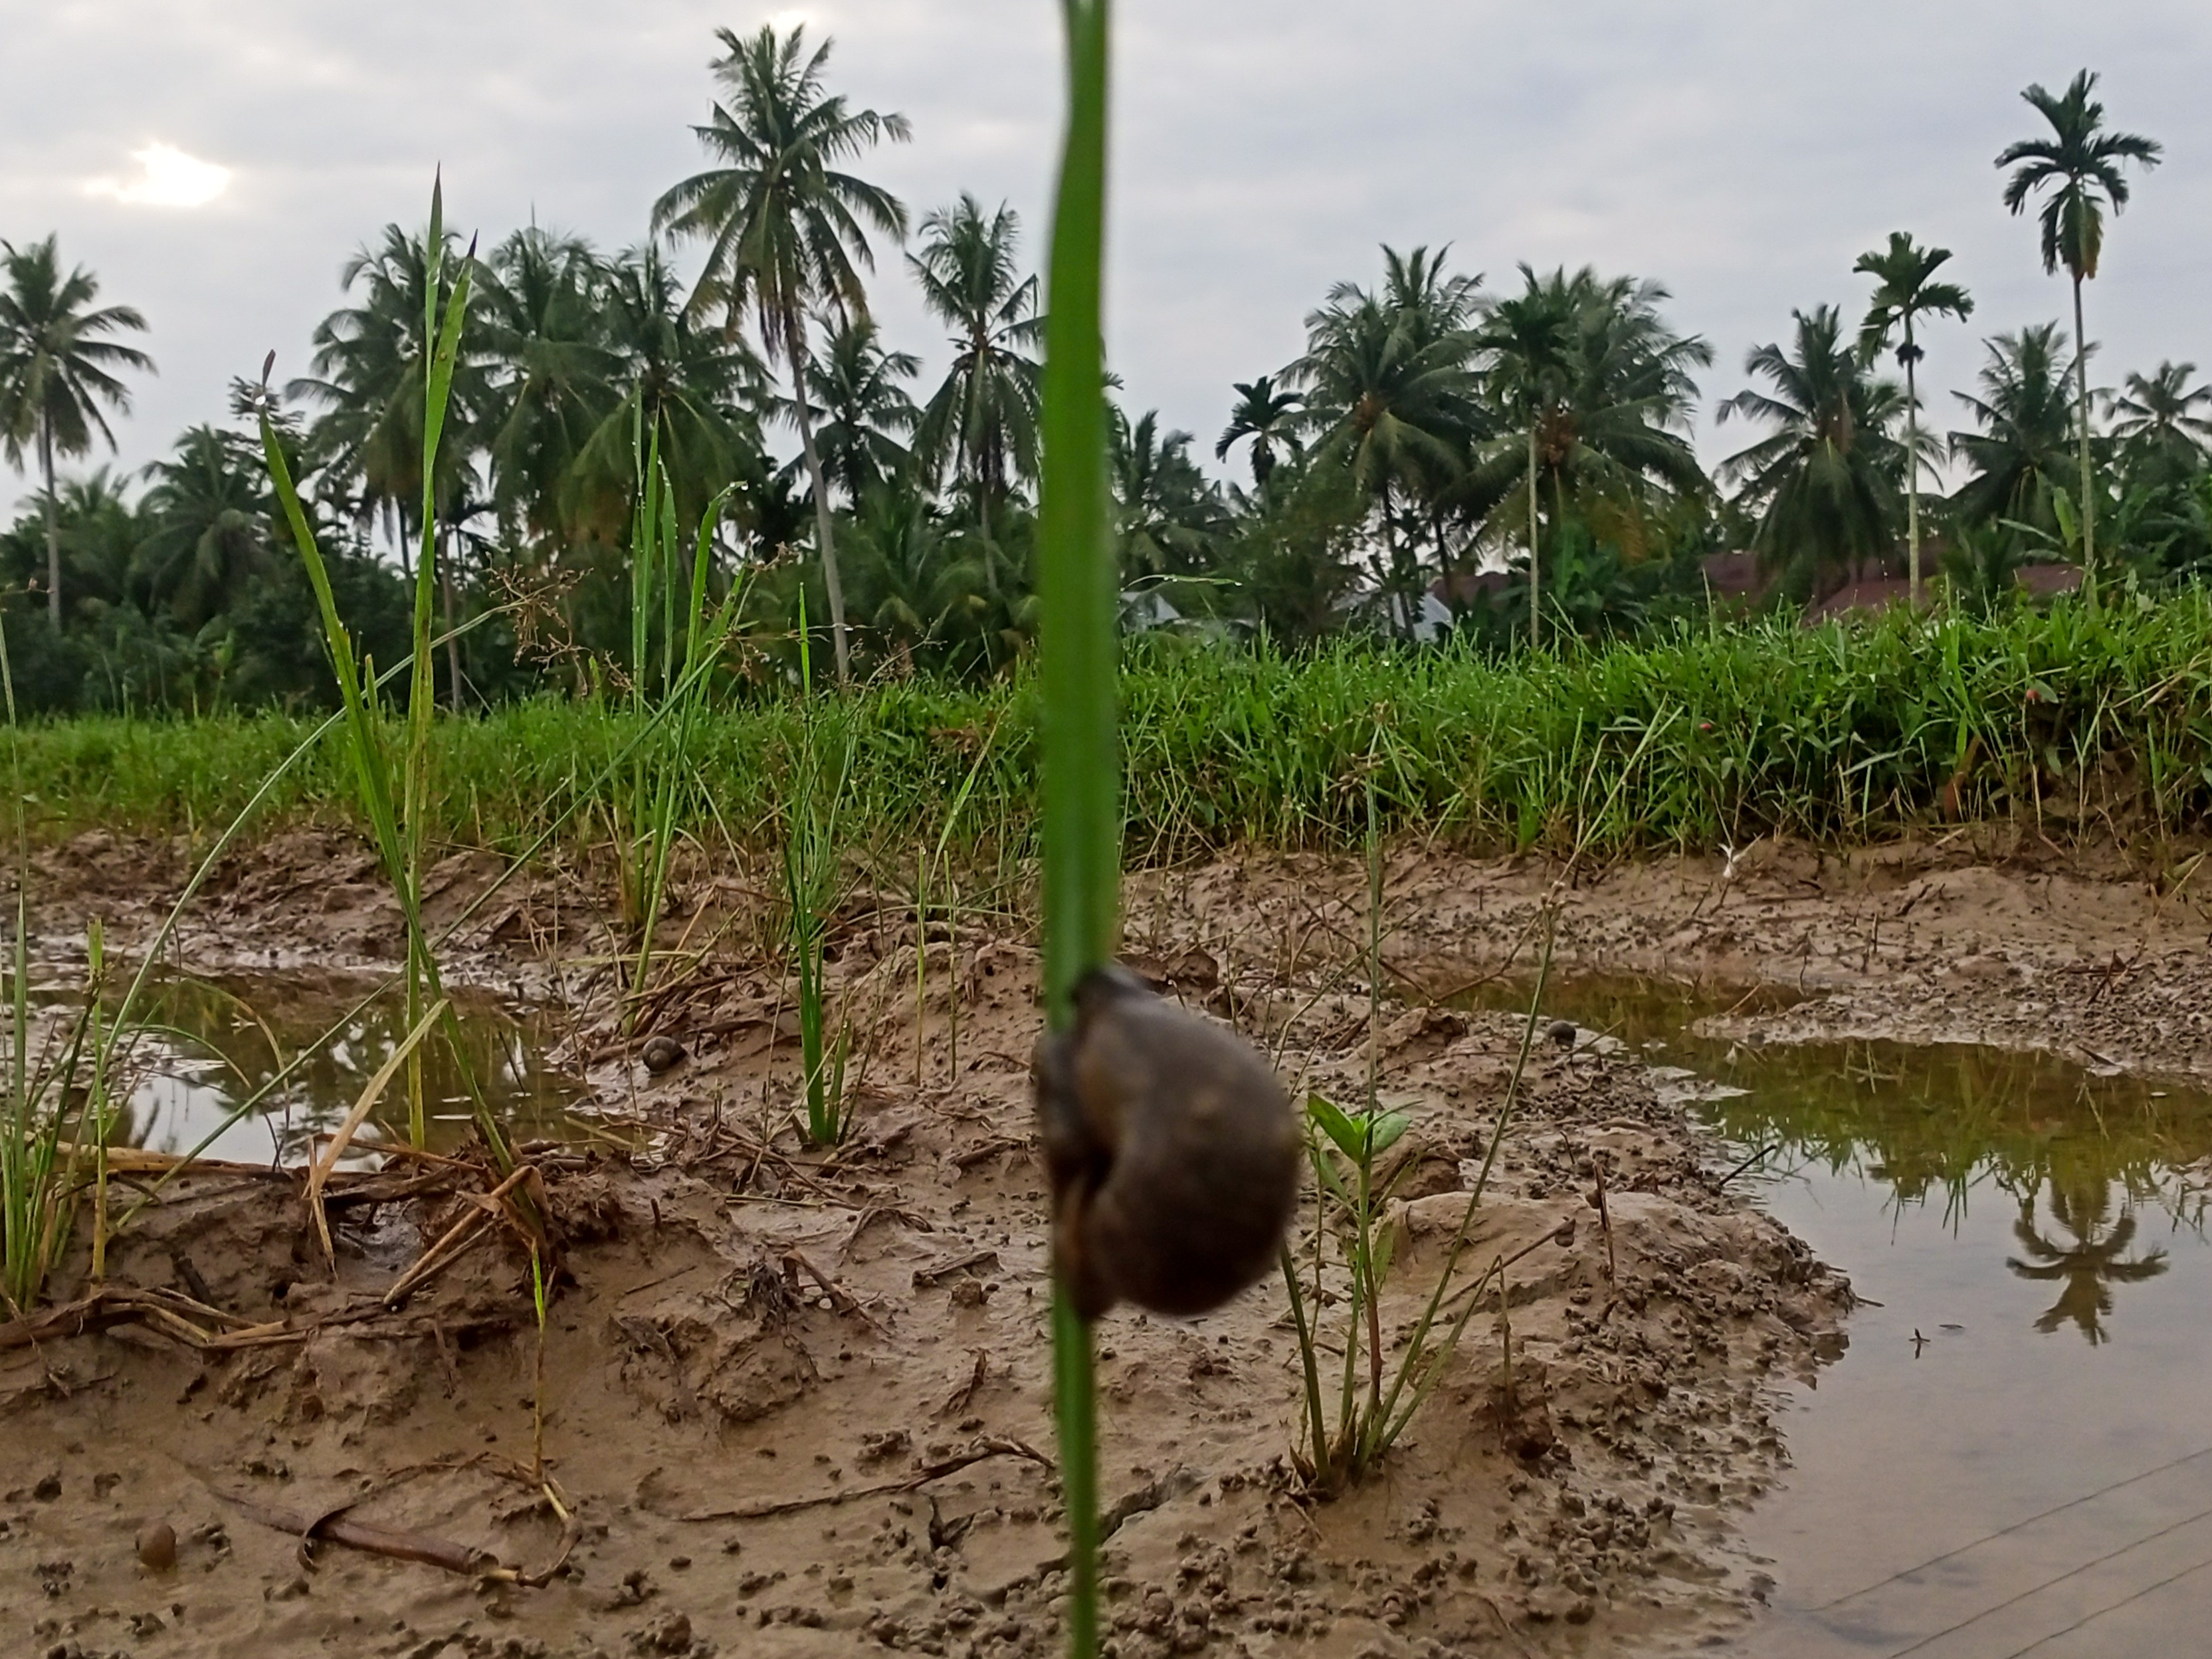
[
  {"x": 2089, "y": 504},
  {"x": 1535, "y": 599},
  {"x": 1444, "y": 564},
  {"x": 53, "y": 525},
  {"x": 797, "y": 353},
  {"x": 1912, "y": 475},
  {"x": 452, "y": 639}
]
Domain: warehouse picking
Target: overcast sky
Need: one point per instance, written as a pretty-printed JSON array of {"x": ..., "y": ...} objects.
[{"x": 1743, "y": 151}]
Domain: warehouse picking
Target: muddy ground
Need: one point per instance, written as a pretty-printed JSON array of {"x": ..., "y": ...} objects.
[{"x": 798, "y": 1404}]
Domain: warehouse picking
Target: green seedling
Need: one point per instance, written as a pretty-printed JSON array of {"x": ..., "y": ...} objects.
[{"x": 1077, "y": 605}]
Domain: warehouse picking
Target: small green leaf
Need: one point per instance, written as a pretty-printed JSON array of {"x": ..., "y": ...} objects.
[
  {"x": 1351, "y": 1138},
  {"x": 1386, "y": 1129}
]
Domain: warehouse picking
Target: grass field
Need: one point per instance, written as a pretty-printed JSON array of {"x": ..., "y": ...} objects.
[{"x": 1837, "y": 733}]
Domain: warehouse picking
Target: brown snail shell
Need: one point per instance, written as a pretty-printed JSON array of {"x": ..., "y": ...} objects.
[
  {"x": 662, "y": 1053},
  {"x": 1172, "y": 1150},
  {"x": 157, "y": 1546}
]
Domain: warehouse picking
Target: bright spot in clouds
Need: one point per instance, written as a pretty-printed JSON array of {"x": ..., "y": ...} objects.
[{"x": 167, "y": 178}]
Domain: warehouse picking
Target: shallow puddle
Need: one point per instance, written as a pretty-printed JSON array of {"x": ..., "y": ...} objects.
[
  {"x": 211, "y": 1046},
  {"x": 2014, "y": 1453}
]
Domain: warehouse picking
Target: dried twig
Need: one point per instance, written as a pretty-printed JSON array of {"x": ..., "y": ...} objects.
[
  {"x": 761, "y": 1509},
  {"x": 926, "y": 1277},
  {"x": 458, "y": 1237}
]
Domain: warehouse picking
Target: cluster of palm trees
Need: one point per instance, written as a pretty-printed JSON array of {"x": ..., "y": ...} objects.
[{"x": 1509, "y": 460}]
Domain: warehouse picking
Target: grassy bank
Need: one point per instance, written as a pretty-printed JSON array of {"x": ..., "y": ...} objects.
[{"x": 1834, "y": 733}]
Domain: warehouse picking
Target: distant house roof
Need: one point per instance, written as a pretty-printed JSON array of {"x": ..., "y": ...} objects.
[
  {"x": 1878, "y": 595},
  {"x": 1463, "y": 587},
  {"x": 1428, "y": 619},
  {"x": 1735, "y": 575},
  {"x": 1146, "y": 608}
]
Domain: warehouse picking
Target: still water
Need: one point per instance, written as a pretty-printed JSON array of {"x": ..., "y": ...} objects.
[
  {"x": 2013, "y": 1454},
  {"x": 209, "y": 1046}
]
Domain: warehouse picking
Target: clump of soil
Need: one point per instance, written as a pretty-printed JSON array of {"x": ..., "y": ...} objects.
[{"x": 798, "y": 1403}]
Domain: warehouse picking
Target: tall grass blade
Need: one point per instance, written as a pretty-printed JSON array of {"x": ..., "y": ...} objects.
[{"x": 1076, "y": 589}]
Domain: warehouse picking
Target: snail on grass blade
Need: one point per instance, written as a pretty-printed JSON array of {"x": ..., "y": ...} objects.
[{"x": 1172, "y": 1150}]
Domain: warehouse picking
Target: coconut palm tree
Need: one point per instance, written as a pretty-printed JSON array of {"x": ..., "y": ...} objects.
[
  {"x": 1906, "y": 291},
  {"x": 2164, "y": 421},
  {"x": 861, "y": 412},
  {"x": 1614, "y": 436},
  {"x": 1391, "y": 393},
  {"x": 982, "y": 423},
  {"x": 57, "y": 369},
  {"x": 785, "y": 228},
  {"x": 917, "y": 592},
  {"x": 1824, "y": 484},
  {"x": 208, "y": 505},
  {"x": 678, "y": 385},
  {"x": 1528, "y": 341},
  {"x": 2077, "y": 172},
  {"x": 368, "y": 366},
  {"x": 2024, "y": 411},
  {"x": 1266, "y": 416},
  {"x": 538, "y": 307},
  {"x": 99, "y": 530},
  {"x": 1168, "y": 517}
]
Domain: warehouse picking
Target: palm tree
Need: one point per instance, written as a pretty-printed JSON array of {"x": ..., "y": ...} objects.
[
  {"x": 2163, "y": 419},
  {"x": 1826, "y": 483},
  {"x": 983, "y": 421},
  {"x": 56, "y": 370},
  {"x": 2024, "y": 411},
  {"x": 1613, "y": 435},
  {"x": 540, "y": 301},
  {"x": 210, "y": 509},
  {"x": 368, "y": 365},
  {"x": 1168, "y": 517},
  {"x": 2077, "y": 171},
  {"x": 1529, "y": 340},
  {"x": 914, "y": 590},
  {"x": 1390, "y": 391},
  {"x": 678, "y": 386},
  {"x": 863, "y": 412},
  {"x": 784, "y": 226},
  {"x": 1267, "y": 416},
  {"x": 1906, "y": 291}
]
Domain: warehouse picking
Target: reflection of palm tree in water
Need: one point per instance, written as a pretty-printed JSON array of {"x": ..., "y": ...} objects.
[{"x": 2090, "y": 1268}]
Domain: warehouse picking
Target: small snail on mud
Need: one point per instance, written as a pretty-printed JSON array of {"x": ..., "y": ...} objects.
[{"x": 1172, "y": 1152}]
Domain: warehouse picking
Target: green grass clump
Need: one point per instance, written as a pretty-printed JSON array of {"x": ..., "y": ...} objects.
[{"x": 1837, "y": 733}]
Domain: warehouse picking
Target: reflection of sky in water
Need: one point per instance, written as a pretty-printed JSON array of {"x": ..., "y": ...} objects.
[
  {"x": 220, "y": 1044},
  {"x": 2029, "y": 1240}
]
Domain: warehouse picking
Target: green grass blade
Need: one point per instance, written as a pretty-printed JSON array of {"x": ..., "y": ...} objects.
[{"x": 1076, "y": 587}]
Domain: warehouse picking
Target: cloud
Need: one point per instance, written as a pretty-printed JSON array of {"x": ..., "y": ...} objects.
[
  {"x": 1743, "y": 153},
  {"x": 167, "y": 178}
]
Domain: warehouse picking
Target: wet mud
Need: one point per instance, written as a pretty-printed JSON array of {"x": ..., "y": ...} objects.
[{"x": 798, "y": 1403}]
